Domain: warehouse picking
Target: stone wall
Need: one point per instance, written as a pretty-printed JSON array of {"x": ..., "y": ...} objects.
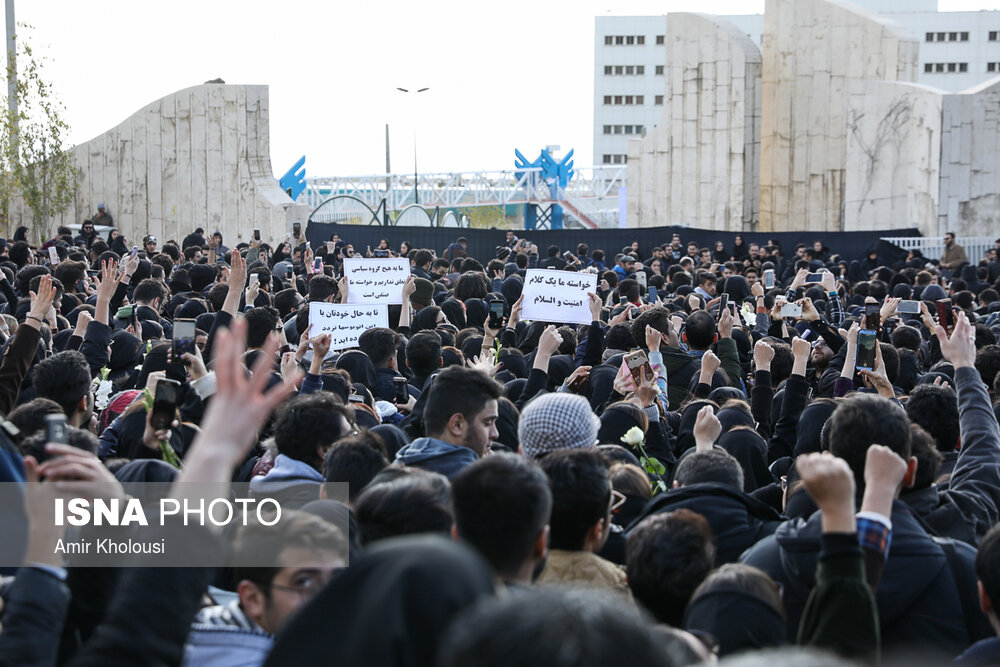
[
  {"x": 812, "y": 51},
  {"x": 197, "y": 157},
  {"x": 893, "y": 157},
  {"x": 970, "y": 162},
  {"x": 699, "y": 165}
]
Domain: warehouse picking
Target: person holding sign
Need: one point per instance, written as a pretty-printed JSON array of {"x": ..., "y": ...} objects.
[
  {"x": 558, "y": 296},
  {"x": 376, "y": 280}
]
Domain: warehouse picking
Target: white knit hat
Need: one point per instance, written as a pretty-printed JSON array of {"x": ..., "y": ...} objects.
[{"x": 556, "y": 421}]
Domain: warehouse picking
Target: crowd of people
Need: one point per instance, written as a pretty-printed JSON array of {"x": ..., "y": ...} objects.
[{"x": 754, "y": 454}]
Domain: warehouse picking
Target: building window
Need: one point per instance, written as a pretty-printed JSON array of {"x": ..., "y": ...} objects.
[
  {"x": 619, "y": 69},
  {"x": 640, "y": 129},
  {"x": 607, "y": 99},
  {"x": 619, "y": 40},
  {"x": 606, "y": 159},
  {"x": 929, "y": 37},
  {"x": 628, "y": 99},
  {"x": 607, "y": 129},
  {"x": 629, "y": 69},
  {"x": 928, "y": 67},
  {"x": 995, "y": 35},
  {"x": 640, "y": 69},
  {"x": 952, "y": 36},
  {"x": 638, "y": 99},
  {"x": 658, "y": 100},
  {"x": 607, "y": 70},
  {"x": 659, "y": 70},
  {"x": 628, "y": 129},
  {"x": 618, "y": 99},
  {"x": 963, "y": 36},
  {"x": 618, "y": 129},
  {"x": 938, "y": 67},
  {"x": 629, "y": 40},
  {"x": 640, "y": 39},
  {"x": 940, "y": 37},
  {"x": 659, "y": 40},
  {"x": 993, "y": 67},
  {"x": 963, "y": 67},
  {"x": 609, "y": 40}
]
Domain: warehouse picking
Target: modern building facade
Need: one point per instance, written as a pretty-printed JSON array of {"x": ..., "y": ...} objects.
[{"x": 958, "y": 50}]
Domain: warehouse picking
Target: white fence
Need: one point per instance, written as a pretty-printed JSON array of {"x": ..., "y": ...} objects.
[{"x": 932, "y": 247}]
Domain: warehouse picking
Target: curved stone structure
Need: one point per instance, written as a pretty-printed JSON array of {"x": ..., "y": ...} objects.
[
  {"x": 970, "y": 161},
  {"x": 698, "y": 166},
  {"x": 813, "y": 50},
  {"x": 198, "y": 157},
  {"x": 893, "y": 157}
]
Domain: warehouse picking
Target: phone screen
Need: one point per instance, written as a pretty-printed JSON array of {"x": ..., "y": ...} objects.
[
  {"x": 867, "y": 340},
  {"x": 946, "y": 316},
  {"x": 318, "y": 264},
  {"x": 496, "y": 314},
  {"x": 254, "y": 277},
  {"x": 723, "y": 303},
  {"x": 873, "y": 317},
  {"x": 636, "y": 361},
  {"x": 909, "y": 307},
  {"x": 53, "y": 255},
  {"x": 135, "y": 251},
  {"x": 183, "y": 339},
  {"x": 164, "y": 404},
  {"x": 256, "y": 235},
  {"x": 296, "y": 228},
  {"x": 814, "y": 278},
  {"x": 402, "y": 392},
  {"x": 653, "y": 295},
  {"x": 55, "y": 429},
  {"x": 769, "y": 278}
]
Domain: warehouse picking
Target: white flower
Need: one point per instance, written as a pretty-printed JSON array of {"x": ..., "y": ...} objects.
[
  {"x": 634, "y": 436},
  {"x": 102, "y": 396}
]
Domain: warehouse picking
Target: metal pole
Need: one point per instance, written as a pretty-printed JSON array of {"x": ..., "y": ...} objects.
[
  {"x": 12, "y": 76},
  {"x": 388, "y": 169}
]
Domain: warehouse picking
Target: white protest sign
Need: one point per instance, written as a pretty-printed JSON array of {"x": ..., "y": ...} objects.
[
  {"x": 376, "y": 280},
  {"x": 345, "y": 323},
  {"x": 557, "y": 296}
]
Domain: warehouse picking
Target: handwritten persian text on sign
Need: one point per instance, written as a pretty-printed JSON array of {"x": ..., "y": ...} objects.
[
  {"x": 345, "y": 322},
  {"x": 376, "y": 280},
  {"x": 557, "y": 296}
]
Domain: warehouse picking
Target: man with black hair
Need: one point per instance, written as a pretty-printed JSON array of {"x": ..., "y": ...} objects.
[
  {"x": 354, "y": 461},
  {"x": 502, "y": 505},
  {"x": 457, "y": 250},
  {"x": 668, "y": 556},
  {"x": 553, "y": 260},
  {"x": 423, "y": 357},
  {"x": 261, "y": 323},
  {"x": 65, "y": 378},
  {"x": 935, "y": 408},
  {"x": 580, "y": 521},
  {"x": 422, "y": 264},
  {"x": 322, "y": 288},
  {"x": 679, "y": 365},
  {"x": 459, "y": 418},
  {"x": 921, "y": 600},
  {"x": 404, "y": 501},
  {"x": 380, "y": 346},
  {"x": 287, "y": 301},
  {"x": 304, "y": 429},
  {"x": 241, "y": 632}
]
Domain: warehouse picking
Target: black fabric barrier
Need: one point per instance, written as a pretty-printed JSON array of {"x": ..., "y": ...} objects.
[{"x": 483, "y": 242}]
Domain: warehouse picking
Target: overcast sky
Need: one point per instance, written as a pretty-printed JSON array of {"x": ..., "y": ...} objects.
[{"x": 501, "y": 74}]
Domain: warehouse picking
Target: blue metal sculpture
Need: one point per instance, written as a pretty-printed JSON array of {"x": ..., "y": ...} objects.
[
  {"x": 556, "y": 176},
  {"x": 294, "y": 180}
]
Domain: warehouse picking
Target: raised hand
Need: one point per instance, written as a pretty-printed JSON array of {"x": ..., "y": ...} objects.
[
  {"x": 960, "y": 347},
  {"x": 707, "y": 429},
  {"x": 830, "y": 483},
  {"x": 763, "y": 353},
  {"x": 726, "y": 324},
  {"x": 709, "y": 364},
  {"x": 885, "y": 472},
  {"x": 41, "y": 302},
  {"x": 595, "y": 304},
  {"x": 653, "y": 339}
]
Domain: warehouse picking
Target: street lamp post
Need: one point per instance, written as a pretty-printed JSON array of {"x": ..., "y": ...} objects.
[{"x": 416, "y": 195}]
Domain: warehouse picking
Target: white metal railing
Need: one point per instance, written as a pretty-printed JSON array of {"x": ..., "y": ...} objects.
[
  {"x": 932, "y": 247},
  {"x": 462, "y": 189}
]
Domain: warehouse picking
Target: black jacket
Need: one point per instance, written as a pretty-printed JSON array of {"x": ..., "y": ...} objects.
[
  {"x": 970, "y": 504},
  {"x": 920, "y": 604},
  {"x": 738, "y": 520}
]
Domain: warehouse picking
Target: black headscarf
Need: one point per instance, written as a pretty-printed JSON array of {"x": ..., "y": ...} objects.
[
  {"x": 425, "y": 319},
  {"x": 389, "y": 609},
  {"x": 511, "y": 289},
  {"x": 475, "y": 313},
  {"x": 614, "y": 424},
  {"x": 737, "y": 620},
  {"x": 732, "y": 417},
  {"x": 453, "y": 311},
  {"x": 750, "y": 450},
  {"x": 737, "y": 288},
  {"x": 515, "y": 364},
  {"x": 810, "y": 426},
  {"x": 685, "y": 433},
  {"x": 359, "y": 366},
  {"x": 394, "y": 438}
]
